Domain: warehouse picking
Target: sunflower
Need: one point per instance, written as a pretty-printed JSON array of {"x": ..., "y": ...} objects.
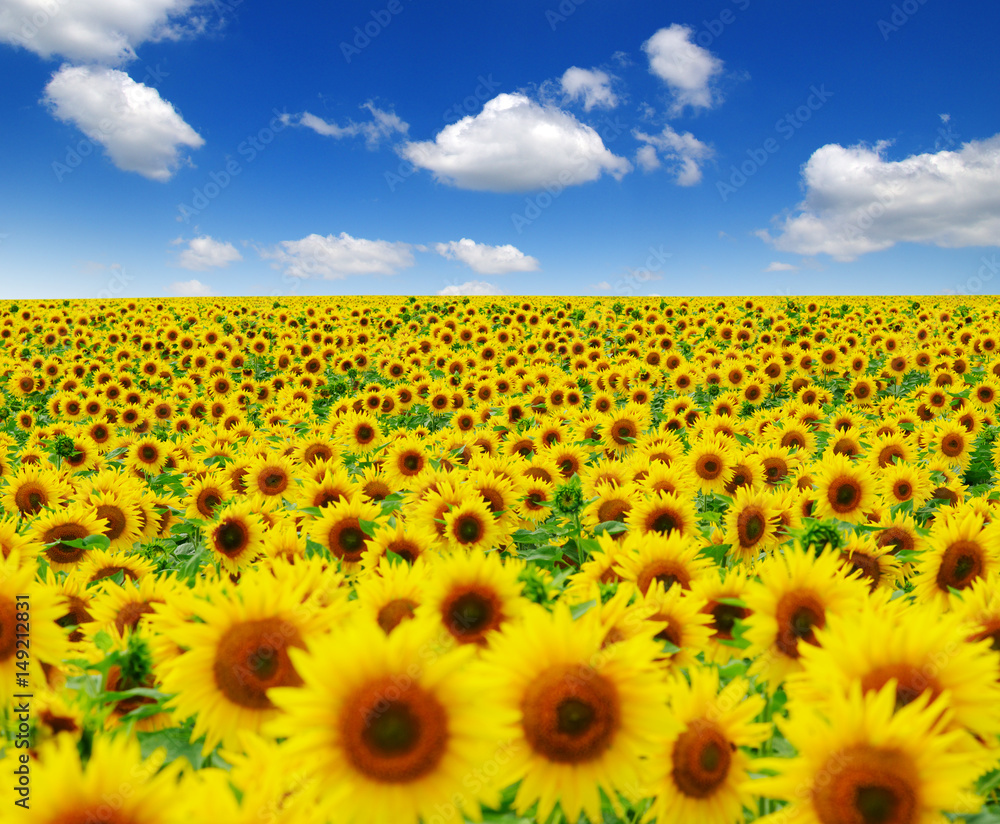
[
  {"x": 844, "y": 491},
  {"x": 473, "y": 595},
  {"x": 500, "y": 492},
  {"x": 405, "y": 461},
  {"x": 918, "y": 649},
  {"x": 270, "y": 475},
  {"x": 73, "y": 523},
  {"x": 701, "y": 774},
  {"x": 794, "y": 597},
  {"x": 119, "y": 609},
  {"x": 359, "y": 432},
  {"x": 621, "y": 427},
  {"x": 31, "y": 489},
  {"x": 29, "y": 615},
  {"x": 334, "y": 484},
  {"x": 951, "y": 443},
  {"x": 390, "y": 592},
  {"x": 339, "y": 530},
  {"x": 586, "y": 717},
  {"x": 15, "y": 549},
  {"x": 889, "y": 449},
  {"x": 390, "y": 739},
  {"x": 409, "y": 543},
  {"x": 663, "y": 513},
  {"x": 875, "y": 563},
  {"x": 860, "y": 761},
  {"x": 205, "y": 494},
  {"x": 101, "y": 564},
  {"x": 64, "y": 790},
  {"x": 960, "y": 552},
  {"x": 471, "y": 526},
  {"x": 599, "y": 568},
  {"x": 723, "y": 599},
  {"x": 711, "y": 461},
  {"x": 236, "y": 650},
  {"x": 668, "y": 559},
  {"x": 122, "y": 515},
  {"x": 751, "y": 524},
  {"x": 147, "y": 454},
  {"x": 374, "y": 485},
  {"x": 684, "y": 626},
  {"x": 902, "y": 482},
  {"x": 612, "y": 503},
  {"x": 236, "y": 536}
]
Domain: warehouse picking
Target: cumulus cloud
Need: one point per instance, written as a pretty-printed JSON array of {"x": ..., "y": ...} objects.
[
  {"x": 686, "y": 68},
  {"x": 140, "y": 131},
  {"x": 683, "y": 153},
  {"x": 591, "y": 85},
  {"x": 485, "y": 259},
  {"x": 95, "y": 31},
  {"x": 471, "y": 287},
  {"x": 603, "y": 286},
  {"x": 190, "y": 289},
  {"x": 335, "y": 257},
  {"x": 516, "y": 145},
  {"x": 207, "y": 253},
  {"x": 777, "y": 266},
  {"x": 382, "y": 125},
  {"x": 858, "y": 202}
]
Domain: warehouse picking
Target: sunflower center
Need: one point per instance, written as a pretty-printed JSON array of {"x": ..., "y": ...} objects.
[
  {"x": 724, "y": 618},
  {"x": 570, "y": 714},
  {"x": 394, "y": 740},
  {"x": 797, "y": 616},
  {"x": 252, "y": 657},
  {"x": 412, "y": 463},
  {"x": 231, "y": 538},
  {"x": 347, "y": 540},
  {"x": 708, "y": 467},
  {"x": 130, "y": 614},
  {"x": 394, "y": 613},
  {"x": 702, "y": 756},
  {"x": 663, "y": 522},
  {"x": 750, "y": 526},
  {"x": 468, "y": 529},
  {"x": 866, "y": 564},
  {"x": 208, "y": 500},
  {"x": 148, "y": 454},
  {"x": 8, "y": 621},
  {"x": 365, "y": 434},
  {"x": 953, "y": 446},
  {"x": 911, "y": 682},
  {"x": 668, "y": 572},
  {"x": 867, "y": 786},
  {"x": 902, "y": 491},
  {"x": 60, "y": 553},
  {"x": 612, "y": 511},
  {"x": 887, "y": 454},
  {"x": 115, "y": 518},
  {"x": 844, "y": 494},
  {"x": 775, "y": 470},
  {"x": 30, "y": 498},
  {"x": 961, "y": 564},
  {"x": 272, "y": 482},
  {"x": 469, "y": 613}
]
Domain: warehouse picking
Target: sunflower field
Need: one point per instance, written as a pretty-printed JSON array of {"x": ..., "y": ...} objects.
[{"x": 500, "y": 559}]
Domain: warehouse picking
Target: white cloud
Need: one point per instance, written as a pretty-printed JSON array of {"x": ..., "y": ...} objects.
[
  {"x": 382, "y": 125},
  {"x": 94, "y": 31},
  {"x": 206, "y": 253},
  {"x": 684, "y": 154},
  {"x": 858, "y": 202},
  {"x": 516, "y": 145},
  {"x": 686, "y": 68},
  {"x": 777, "y": 266},
  {"x": 485, "y": 259},
  {"x": 592, "y": 85},
  {"x": 603, "y": 286},
  {"x": 472, "y": 287},
  {"x": 190, "y": 289},
  {"x": 139, "y": 130},
  {"x": 338, "y": 257}
]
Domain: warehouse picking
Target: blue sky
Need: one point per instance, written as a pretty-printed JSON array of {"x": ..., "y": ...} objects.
[{"x": 171, "y": 147}]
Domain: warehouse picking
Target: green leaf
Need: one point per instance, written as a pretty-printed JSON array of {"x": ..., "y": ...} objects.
[
  {"x": 368, "y": 527},
  {"x": 611, "y": 527},
  {"x": 732, "y": 602},
  {"x": 103, "y": 641},
  {"x": 177, "y": 743},
  {"x": 579, "y": 609},
  {"x": 670, "y": 648}
]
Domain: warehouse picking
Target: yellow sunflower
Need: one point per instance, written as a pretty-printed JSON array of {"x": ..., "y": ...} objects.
[
  {"x": 471, "y": 526},
  {"x": 31, "y": 489},
  {"x": 236, "y": 536},
  {"x": 339, "y": 530},
  {"x": 390, "y": 739},
  {"x": 751, "y": 524},
  {"x": 586, "y": 717},
  {"x": 701, "y": 773},
  {"x": 844, "y": 490},
  {"x": 668, "y": 559},
  {"x": 73, "y": 523},
  {"x": 663, "y": 513},
  {"x": 960, "y": 552}
]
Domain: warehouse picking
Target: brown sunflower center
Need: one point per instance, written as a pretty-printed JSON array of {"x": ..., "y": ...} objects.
[
  {"x": 866, "y": 564},
  {"x": 116, "y": 520},
  {"x": 708, "y": 467},
  {"x": 411, "y": 463},
  {"x": 775, "y": 470},
  {"x": 844, "y": 494},
  {"x": 148, "y": 454},
  {"x": 347, "y": 540},
  {"x": 8, "y": 628},
  {"x": 231, "y": 538},
  {"x": 750, "y": 526},
  {"x": 364, "y": 434},
  {"x": 798, "y": 614},
  {"x": 468, "y": 529},
  {"x": 953, "y": 445},
  {"x": 61, "y": 553},
  {"x": 662, "y": 521},
  {"x": 702, "y": 756},
  {"x": 613, "y": 511},
  {"x": 207, "y": 501},
  {"x": 272, "y": 482},
  {"x": 724, "y": 618},
  {"x": 867, "y": 786},
  {"x": 130, "y": 614},
  {"x": 911, "y": 682},
  {"x": 252, "y": 657},
  {"x": 570, "y": 714},
  {"x": 394, "y": 734},
  {"x": 472, "y": 611},
  {"x": 961, "y": 564},
  {"x": 394, "y": 613},
  {"x": 665, "y": 570}
]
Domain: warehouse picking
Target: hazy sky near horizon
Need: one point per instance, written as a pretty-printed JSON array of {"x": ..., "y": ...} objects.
[{"x": 578, "y": 147}]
